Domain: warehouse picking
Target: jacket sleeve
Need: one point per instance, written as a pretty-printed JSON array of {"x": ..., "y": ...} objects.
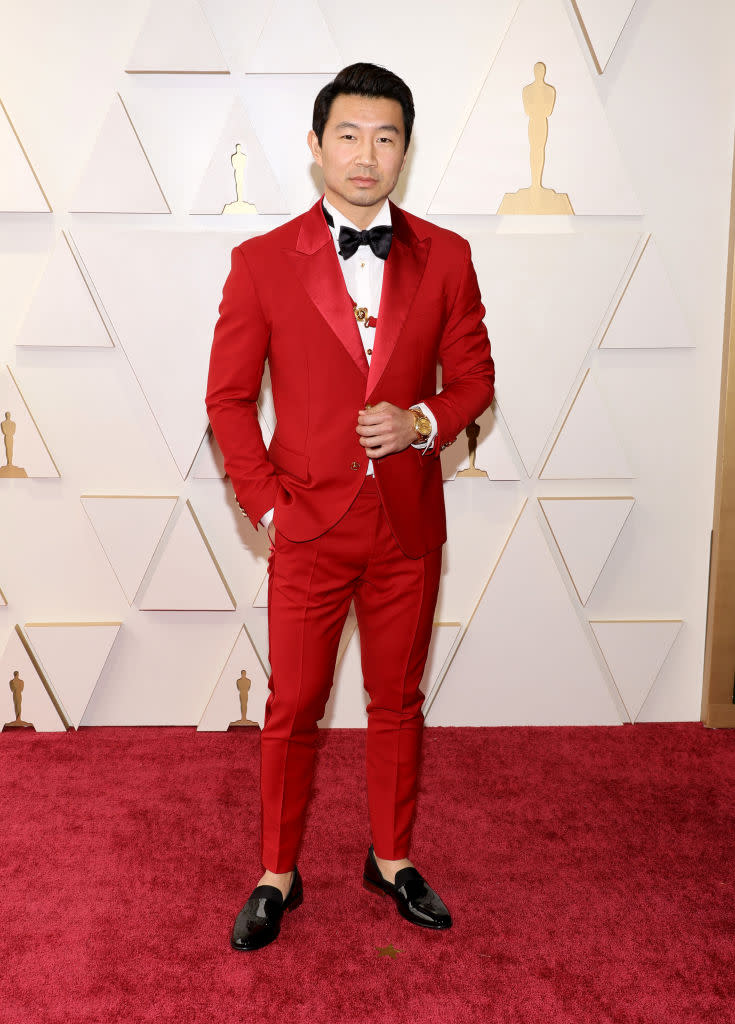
[
  {"x": 237, "y": 360},
  {"x": 468, "y": 371}
]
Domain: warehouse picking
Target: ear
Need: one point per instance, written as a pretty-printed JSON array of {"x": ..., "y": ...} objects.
[{"x": 313, "y": 143}]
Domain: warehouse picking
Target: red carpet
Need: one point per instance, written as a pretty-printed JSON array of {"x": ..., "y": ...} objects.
[{"x": 589, "y": 872}]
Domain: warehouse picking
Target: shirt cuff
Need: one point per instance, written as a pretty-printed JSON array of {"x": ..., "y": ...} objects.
[
  {"x": 267, "y": 518},
  {"x": 428, "y": 444}
]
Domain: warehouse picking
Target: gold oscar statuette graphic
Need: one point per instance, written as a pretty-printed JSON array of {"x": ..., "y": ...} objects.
[
  {"x": 473, "y": 432},
  {"x": 16, "y": 686},
  {"x": 239, "y": 160},
  {"x": 9, "y": 470},
  {"x": 243, "y": 686},
  {"x": 538, "y": 102}
]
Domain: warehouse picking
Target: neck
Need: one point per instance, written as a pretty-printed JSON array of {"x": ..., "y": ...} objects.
[{"x": 361, "y": 216}]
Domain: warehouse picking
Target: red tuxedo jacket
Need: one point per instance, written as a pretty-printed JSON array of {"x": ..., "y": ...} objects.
[{"x": 285, "y": 300}]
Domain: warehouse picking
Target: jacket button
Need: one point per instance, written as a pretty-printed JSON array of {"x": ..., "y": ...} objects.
[{"x": 354, "y": 464}]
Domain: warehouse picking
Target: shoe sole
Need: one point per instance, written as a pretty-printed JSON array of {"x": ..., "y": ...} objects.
[{"x": 373, "y": 887}]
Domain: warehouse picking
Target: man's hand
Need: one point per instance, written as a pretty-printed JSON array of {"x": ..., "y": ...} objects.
[{"x": 385, "y": 429}]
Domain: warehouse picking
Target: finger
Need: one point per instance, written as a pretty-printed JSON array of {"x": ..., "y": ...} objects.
[
  {"x": 367, "y": 418},
  {"x": 379, "y": 452},
  {"x": 383, "y": 444},
  {"x": 382, "y": 424},
  {"x": 380, "y": 409},
  {"x": 379, "y": 435}
]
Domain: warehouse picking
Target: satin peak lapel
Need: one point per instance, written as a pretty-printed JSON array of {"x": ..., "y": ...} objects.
[
  {"x": 404, "y": 269},
  {"x": 315, "y": 262}
]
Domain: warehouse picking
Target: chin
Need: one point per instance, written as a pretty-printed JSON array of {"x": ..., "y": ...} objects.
[{"x": 365, "y": 197}]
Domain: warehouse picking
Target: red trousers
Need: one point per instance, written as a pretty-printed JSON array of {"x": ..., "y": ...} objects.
[{"x": 310, "y": 587}]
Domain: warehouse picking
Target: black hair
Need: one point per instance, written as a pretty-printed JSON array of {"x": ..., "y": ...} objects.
[{"x": 363, "y": 80}]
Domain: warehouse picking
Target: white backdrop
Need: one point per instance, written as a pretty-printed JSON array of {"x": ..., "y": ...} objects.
[{"x": 575, "y": 576}]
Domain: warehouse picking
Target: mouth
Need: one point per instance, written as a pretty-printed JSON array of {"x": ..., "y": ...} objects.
[{"x": 364, "y": 182}]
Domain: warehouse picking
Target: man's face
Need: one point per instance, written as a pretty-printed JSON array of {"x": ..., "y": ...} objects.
[{"x": 361, "y": 155}]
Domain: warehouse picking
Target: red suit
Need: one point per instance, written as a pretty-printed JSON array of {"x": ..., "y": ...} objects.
[{"x": 339, "y": 536}]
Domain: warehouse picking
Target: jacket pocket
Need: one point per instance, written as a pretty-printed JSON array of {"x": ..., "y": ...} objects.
[{"x": 286, "y": 460}]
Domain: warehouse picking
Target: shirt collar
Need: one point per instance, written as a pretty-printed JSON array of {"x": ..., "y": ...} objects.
[{"x": 381, "y": 217}]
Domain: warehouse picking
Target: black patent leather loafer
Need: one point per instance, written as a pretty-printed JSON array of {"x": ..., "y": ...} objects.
[
  {"x": 259, "y": 921},
  {"x": 416, "y": 901}
]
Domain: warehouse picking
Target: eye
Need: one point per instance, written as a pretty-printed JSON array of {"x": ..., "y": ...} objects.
[{"x": 385, "y": 138}]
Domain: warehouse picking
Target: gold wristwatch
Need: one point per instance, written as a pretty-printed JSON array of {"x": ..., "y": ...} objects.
[{"x": 421, "y": 424}]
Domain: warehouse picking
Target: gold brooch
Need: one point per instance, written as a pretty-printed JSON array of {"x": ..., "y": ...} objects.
[{"x": 361, "y": 314}]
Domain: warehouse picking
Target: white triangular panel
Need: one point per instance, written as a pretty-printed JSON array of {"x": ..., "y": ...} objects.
[
  {"x": 29, "y": 451},
  {"x": 129, "y": 529},
  {"x": 118, "y": 177},
  {"x": 63, "y": 312},
  {"x": 348, "y": 699},
  {"x": 603, "y": 22},
  {"x": 20, "y": 190},
  {"x": 36, "y": 704},
  {"x": 209, "y": 463},
  {"x": 492, "y": 454},
  {"x": 161, "y": 291},
  {"x": 444, "y": 639},
  {"x": 492, "y": 156},
  {"x": 525, "y": 658},
  {"x": 186, "y": 576},
  {"x": 585, "y": 531},
  {"x": 544, "y": 321},
  {"x": 162, "y": 669},
  {"x": 347, "y": 633},
  {"x": 224, "y": 707},
  {"x": 178, "y": 127},
  {"x": 634, "y": 652},
  {"x": 176, "y": 37},
  {"x": 295, "y": 39},
  {"x": 280, "y": 107},
  {"x": 587, "y": 446},
  {"x": 73, "y": 655},
  {"x": 237, "y": 28},
  {"x": 265, "y": 428},
  {"x": 261, "y": 598},
  {"x": 480, "y": 518},
  {"x": 649, "y": 314},
  {"x": 266, "y": 408},
  {"x": 261, "y": 188}
]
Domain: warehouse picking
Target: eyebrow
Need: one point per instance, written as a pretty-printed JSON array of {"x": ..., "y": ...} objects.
[{"x": 380, "y": 128}]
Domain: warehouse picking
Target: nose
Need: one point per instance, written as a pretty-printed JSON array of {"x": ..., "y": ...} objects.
[{"x": 366, "y": 154}]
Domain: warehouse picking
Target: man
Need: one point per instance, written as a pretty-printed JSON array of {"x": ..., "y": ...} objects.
[{"x": 353, "y": 324}]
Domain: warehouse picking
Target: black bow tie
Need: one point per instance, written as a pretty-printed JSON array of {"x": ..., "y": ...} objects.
[{"x": 350, "y": 239}]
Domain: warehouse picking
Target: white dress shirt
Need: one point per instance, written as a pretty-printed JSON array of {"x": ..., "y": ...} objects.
[{"x": 363, "y": 274}]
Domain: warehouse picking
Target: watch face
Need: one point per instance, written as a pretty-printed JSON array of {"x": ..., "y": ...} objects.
[{"x": 423, "y": 426}]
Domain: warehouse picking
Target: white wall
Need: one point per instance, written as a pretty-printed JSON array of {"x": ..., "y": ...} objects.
[{"x": 644, "y": 152}]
